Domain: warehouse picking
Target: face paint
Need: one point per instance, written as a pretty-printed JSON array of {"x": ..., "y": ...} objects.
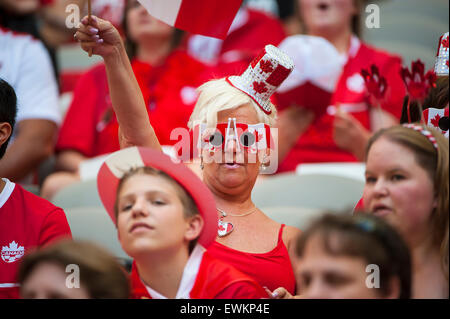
[{"x": 247, "y": 137}]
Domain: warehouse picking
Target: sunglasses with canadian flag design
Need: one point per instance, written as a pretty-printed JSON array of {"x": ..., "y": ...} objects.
[{"x": 249, "y": 138}]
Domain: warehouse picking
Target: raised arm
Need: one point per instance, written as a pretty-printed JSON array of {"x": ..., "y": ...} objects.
[{"x": 127, "y": 100}]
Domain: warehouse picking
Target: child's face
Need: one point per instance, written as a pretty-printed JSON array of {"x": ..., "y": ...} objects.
[
  {"x": 150, "y": 216},
  {"x": 325, "y": 276}
]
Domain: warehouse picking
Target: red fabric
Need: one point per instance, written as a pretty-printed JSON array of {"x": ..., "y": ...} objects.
[
  {"x": 68, "y": 80},
  {"x": 207, "y": 17},
  {"x": 317, "y": 143},
  {"x": 272, "y": 269},
  {"x": 46, "y": 2},
  {"x": 90, "y": 126},
  {"x": 245, "y": 43},
  {"x": 29, "y": 221},
  {"x": 215, "y": 280},
  {"x": 359, "y": 206}
]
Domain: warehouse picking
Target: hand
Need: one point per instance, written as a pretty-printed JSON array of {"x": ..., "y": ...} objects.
[
  {"x": 98, "y": 35},
  {"x": 349, "y": 134},
  {"x": 279, "y": 293}
]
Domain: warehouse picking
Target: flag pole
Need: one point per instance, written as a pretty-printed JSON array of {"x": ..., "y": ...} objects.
[{"x": 89, "y": 19}]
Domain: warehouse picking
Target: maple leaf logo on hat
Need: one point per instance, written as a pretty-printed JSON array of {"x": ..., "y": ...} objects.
[{"x": 259, "y": 87}]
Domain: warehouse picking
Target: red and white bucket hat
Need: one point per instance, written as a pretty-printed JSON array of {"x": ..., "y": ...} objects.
[
  {"x": 263, "y": 76},
  {"x": 441, "y": 65},
  {"x": 121, "y": 162}
]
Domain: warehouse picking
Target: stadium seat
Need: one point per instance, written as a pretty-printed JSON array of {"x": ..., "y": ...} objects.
[
  {"x": 316, "y": 191},
  {"x": 93, "y": 224},
  {"x": 299, "y": 217},
  {"x": 82, "y": 194},
  {"x": 350, "y": 170}
]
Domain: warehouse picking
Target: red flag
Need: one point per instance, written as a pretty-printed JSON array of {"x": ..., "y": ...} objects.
[{"x": 211, "y": 18}]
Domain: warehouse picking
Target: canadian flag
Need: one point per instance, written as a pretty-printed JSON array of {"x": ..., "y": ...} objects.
[
  {"x": 211, "y": 18},
  {"x": 437, "y": 118}
]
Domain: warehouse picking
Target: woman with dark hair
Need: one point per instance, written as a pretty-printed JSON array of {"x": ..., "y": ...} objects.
[
  {"x": 44, "y": 273},
  {"x": 351, "y": 257},
  {"x": 338, "y": 254},
  {"x": 167, "y": 77},
  {"x": 407, "y": 185},
  {"x": 338, "y": 131}
]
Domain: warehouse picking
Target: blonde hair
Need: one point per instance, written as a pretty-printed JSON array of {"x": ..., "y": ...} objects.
[
  {"x": 218, "y": 95},
  {"x": 435, "y": 162}
]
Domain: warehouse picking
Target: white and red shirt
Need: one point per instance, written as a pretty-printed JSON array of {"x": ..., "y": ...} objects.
[
  {"x": 26, "y": 66},
  {"x": 26, "y": 221},
  {"x": 204, "y": 277}
]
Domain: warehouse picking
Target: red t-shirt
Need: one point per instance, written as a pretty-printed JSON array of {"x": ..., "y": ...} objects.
[
  {"x": 26, "y": 221},
  {"x": 90, "y": 126},
  {"x": 215, "y": 280},
  {"x": 317, "y": 143}
]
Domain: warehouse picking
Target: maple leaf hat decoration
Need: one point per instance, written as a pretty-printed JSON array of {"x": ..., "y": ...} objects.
[
  {"x": 441, "y": 65},
  {"x": 263, "y": 76}
]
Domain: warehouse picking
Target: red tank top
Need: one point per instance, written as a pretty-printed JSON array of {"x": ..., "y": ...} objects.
[{"x": 272, "y": 269}]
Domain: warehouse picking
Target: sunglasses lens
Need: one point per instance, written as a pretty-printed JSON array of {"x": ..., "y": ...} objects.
[
  {"x": 247, "y": 139},
  {"x": 216, "y": 139},
  {"x": 443, "y": 123}
]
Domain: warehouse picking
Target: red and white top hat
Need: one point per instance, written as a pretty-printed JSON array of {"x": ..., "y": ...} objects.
[
  {"x": 437, "y": 118},
  {"x": 263, "y": 76},
  {"x": 441, "y": 66},
  {"x": 121, "y": 162}
]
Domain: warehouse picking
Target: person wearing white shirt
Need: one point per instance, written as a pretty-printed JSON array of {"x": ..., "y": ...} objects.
[{"x": 26, "y": 65}]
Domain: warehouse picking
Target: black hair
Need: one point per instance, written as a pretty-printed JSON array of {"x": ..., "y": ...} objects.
[{"x": 8, "y": 110}]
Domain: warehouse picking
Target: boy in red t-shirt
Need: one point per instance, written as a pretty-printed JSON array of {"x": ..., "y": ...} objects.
[
  {"x": 26, "y": 220},
  {"x": 166, "y": 219}
]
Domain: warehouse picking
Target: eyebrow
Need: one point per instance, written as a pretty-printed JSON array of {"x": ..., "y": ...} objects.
[
  {"x": 131, "y": 195},
  {"x": 396, "y": 169}
]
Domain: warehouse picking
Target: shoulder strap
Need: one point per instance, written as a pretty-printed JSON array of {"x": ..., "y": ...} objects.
[{"x": 280, "y": 233}]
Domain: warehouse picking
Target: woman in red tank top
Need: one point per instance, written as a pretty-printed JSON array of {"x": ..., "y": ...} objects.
[{"x": 232, "y": 122}]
